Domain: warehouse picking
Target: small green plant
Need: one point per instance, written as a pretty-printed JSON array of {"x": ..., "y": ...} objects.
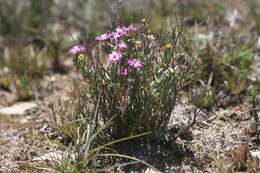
[
  {"x": 137, "y": 75},
  {"x": 204, "y": 96},
  {"x": 254, "y": 10},
  {"x": 236, "y": 66},
  {"x": 224, "y": 59},
  {"x": 25, "y": 69},
  {"x": 20, "y": 18}
]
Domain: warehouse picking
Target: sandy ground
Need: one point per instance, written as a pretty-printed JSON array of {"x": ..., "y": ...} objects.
[{"x": 216, "y": 137}]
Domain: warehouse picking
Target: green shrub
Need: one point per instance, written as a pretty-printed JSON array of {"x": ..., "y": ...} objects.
[
  {"x": 25, "y": 70},
  {"x": 224, "y": 58},
  {"x": 138, "y": 80}
]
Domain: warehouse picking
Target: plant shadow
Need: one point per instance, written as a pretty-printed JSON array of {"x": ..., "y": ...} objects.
[{"x": 165, "y": 157}]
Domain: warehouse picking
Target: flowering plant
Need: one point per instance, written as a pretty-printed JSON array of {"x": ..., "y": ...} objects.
[{"x": 134, "y": 76}]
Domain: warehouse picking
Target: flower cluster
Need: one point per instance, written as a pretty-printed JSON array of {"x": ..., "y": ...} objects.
[
  {"x": 119, "y": 31},
  {"x": 119, "y": 46},
  {"x": 104, "y": 37}
]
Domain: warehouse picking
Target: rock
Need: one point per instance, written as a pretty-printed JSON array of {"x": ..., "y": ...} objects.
[
  {"x": 258, "y": 43},
  {"x": 32, "y": 153},
  {"x": 180, "y": 114},
  {"x": 255, "y": 154},
  {"x": 49, "y": 131},
  {"x": 22, "y": 108},
  {"x": 149, "y": 170},
  {"x": 6, "y": 98},
  {"x": 258, "y": 97}
]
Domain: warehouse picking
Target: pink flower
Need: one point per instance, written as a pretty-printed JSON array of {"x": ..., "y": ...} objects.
[
  {"x": 104, "y": 37},
  {"x": 115, "y": 56},
  {"x": 75, "y": 49},
  {"x": 132, "y": 28},
  {"x": 135, "y": 63},
  {"x": 118, "y": 34},
  {"x": 123, "y": 71},
  {"x": 121, "y": 45},
  {"x": 120, "y": 31}
]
